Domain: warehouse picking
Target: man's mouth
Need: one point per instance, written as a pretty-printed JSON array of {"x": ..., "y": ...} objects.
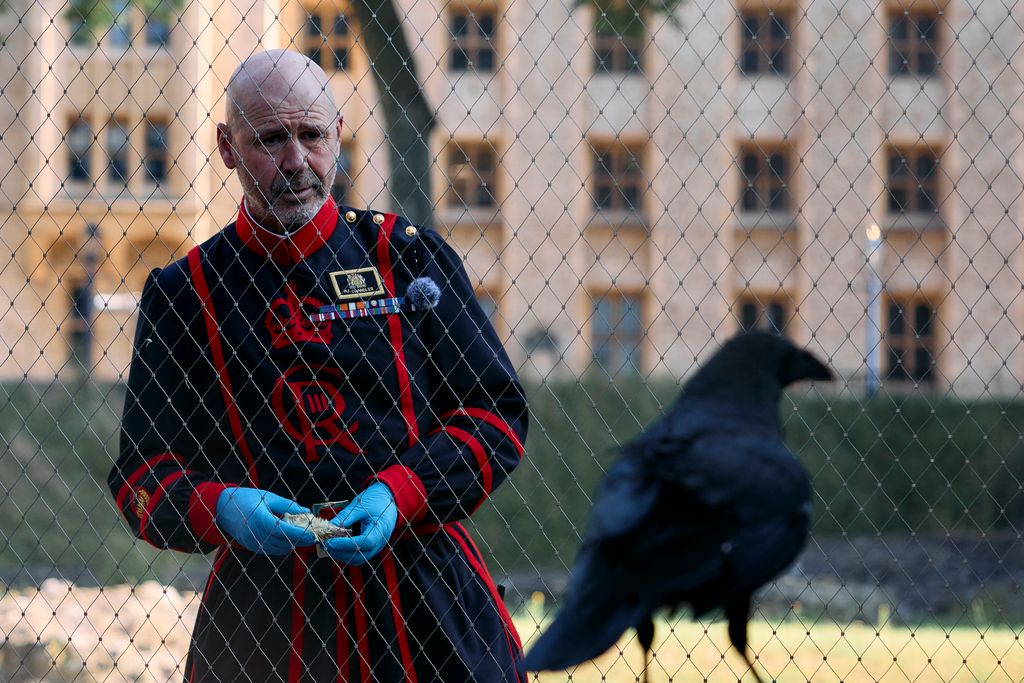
[{"x": 299, "y": 193}]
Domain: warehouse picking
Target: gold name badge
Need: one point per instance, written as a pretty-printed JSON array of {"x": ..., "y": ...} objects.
[{"x": 356, "y": 284}]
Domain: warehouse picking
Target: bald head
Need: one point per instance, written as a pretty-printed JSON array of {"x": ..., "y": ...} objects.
[
  {"x": 282, "y": 136},
  {"x": 273, "y": 77}
]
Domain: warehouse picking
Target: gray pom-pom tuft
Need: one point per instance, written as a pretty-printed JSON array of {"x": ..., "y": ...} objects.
[{"x": 423, "y": 294}]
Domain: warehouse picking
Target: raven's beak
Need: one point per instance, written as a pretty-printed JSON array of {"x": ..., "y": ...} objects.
[{"x": 805, "y": 365}]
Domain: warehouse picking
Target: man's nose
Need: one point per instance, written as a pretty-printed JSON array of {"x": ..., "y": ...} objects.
[{"x": 292, "y": 157}]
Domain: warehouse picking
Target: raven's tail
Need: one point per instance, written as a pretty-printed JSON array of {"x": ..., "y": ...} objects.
[
  {"x": 738, "y": 614},
  {"x": 579, "y": 634}
]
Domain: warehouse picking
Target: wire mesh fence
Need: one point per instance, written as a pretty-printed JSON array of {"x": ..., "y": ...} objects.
[{"x": 602, "y": 192}]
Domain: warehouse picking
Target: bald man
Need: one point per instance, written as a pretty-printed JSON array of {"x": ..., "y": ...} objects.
[{"x": 307, "y": 354}]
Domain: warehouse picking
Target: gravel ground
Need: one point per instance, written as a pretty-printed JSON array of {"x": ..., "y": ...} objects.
[{"x": 62, "y": 632}]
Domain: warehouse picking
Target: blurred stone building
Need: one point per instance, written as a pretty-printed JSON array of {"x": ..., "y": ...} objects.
[{"x": 628, "y": 189}]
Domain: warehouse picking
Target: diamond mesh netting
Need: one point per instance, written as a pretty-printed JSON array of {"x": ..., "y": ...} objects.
[{"x": 532, "y": 223}]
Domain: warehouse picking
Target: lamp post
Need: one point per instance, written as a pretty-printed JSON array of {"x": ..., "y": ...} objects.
[{"x": 873, "y": 334}]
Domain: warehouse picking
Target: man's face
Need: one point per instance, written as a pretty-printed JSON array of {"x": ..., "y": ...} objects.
[{"x": 285, "y": 148}]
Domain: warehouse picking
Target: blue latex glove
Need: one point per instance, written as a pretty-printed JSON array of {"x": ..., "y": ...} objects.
[
  {"x": 253, "y": 518},
  {"x": 375, "y": 512}
]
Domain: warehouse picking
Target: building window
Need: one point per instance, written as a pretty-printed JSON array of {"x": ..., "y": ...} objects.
[
  {"x": 343, "y": 175},
  {"x": 155, "y": 159},
  {"x": 472, "y": 40},
  {"x": 618, "y": 176},
  {"x": 331, "y": 50},
  {"x": 120, "y": 34},
  {"x": 913, "y": 43},
  {"x": 80, "y": 325},
  {"x": 617, "y": 333},
  {"x": 764, "y": 179},
  {"x": 79, "y": 140},
  {"x": 913, "y": 186},
  {"x": 768, "y": 314},
  {"x": 472, "y": 174},
  {"x": 764, "y": 42},
  {"x": 158, "y": 32},
  {"x": 117, "y": 152},
  {"x": 910, "y": 341},
  {"x": 619, "y": 34}
]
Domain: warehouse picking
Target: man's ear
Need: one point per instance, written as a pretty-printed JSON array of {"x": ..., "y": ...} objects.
[{"x": 224, "y": 146}]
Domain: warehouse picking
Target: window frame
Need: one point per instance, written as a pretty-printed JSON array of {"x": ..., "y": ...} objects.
[
  {"x": 768, "y": 49},
  {"x": 625, "y": 52},
  {"x": 760, "y": 187},
  {"x": 763, "y": 318},
  {"x": 623, "y": 177},
  {"x": 149, "y": 123},
  {"x": 911, "y": 184},
  {"x": 632, "y": 348},
  {"x": 469, "y": 176},
  {"x": 338, "y": 47},
  {"x": 907, "y": 54},
  {"x": 909, "y": 342},
  {"x": 75, "y": 160},
  {"x": 474, "y": 42},
  {"x": 113, "y": 178}
]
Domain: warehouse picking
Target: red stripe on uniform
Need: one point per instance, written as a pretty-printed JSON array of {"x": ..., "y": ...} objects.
[
  {"x": 141, "y": 471},
  {"x": 213, "y": 333},
  {"x": 491, "y": 419},
  {"x": 361, "y": 619},
  {"x": 222, "y": 555},
  {"x": 298, "y": 617},
  {"x": 154, "y": 499},
  {"x": 486, "y": 476},
  {"x": 391, "y": 580},
  {"x": 395, "y": 328},
  {"x": 341, "y": 635},
  {"x": 511, "y": 635}
]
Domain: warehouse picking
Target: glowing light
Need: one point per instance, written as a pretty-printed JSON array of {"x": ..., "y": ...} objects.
[{"x": 874, "y": 232}]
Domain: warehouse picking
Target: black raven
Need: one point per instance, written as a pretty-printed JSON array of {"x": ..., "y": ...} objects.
[{"x": 703, "y": 508}]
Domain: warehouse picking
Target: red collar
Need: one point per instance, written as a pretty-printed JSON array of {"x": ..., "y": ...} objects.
[{"x": 288, "y": 249}]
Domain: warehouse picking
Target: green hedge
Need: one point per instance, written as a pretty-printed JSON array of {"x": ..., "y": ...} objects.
[
  {"x": 890, "y": 465},
  {"x": 57, "y": 444},
  {"x": 893, "y": 464}
]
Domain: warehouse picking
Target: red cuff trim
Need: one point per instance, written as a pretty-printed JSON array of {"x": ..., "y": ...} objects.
[
  {"x": 147, "y": 468},
  {"x": 154, "y": 501},
  {"x": 202, "y": 512},
  {"x": 408, "y": 490}
]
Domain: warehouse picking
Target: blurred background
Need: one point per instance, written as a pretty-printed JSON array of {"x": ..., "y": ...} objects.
[{"x": 630, "y": 182}]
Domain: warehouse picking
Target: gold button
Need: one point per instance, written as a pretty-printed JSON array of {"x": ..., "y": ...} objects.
[
  {"x": 378, "y": 218},
  {"x": 411, "y": 231},
  {"x": 350, "y": 216}
]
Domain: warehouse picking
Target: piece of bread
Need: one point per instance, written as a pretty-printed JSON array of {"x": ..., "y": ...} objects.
[{"x": 322, "y": 528}]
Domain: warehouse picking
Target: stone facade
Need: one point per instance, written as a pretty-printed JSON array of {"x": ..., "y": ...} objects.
[{"x": 688, "y": 264}]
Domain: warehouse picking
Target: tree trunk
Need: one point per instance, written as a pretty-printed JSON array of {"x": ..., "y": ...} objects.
[{"x": 408, "y": 119}]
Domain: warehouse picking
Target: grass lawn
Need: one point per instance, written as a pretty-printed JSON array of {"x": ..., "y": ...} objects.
[{"x": 820, "y": 652}]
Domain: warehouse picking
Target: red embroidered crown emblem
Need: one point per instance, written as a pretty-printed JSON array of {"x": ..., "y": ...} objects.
[{"x": 288, "y": 320}]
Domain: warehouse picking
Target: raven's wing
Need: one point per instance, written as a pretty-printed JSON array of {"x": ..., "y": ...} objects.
[
  {"x": 659, "y": 535},
  {"x": 756, "y": 500}
]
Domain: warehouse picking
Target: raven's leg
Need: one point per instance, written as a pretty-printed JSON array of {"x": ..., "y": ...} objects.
[
  {"x": 738, "y": 613},
  {"x": 645, "y": 636}
]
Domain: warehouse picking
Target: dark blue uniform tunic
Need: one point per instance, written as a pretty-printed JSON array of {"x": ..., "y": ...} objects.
[{"x": 236, "y": 381}]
